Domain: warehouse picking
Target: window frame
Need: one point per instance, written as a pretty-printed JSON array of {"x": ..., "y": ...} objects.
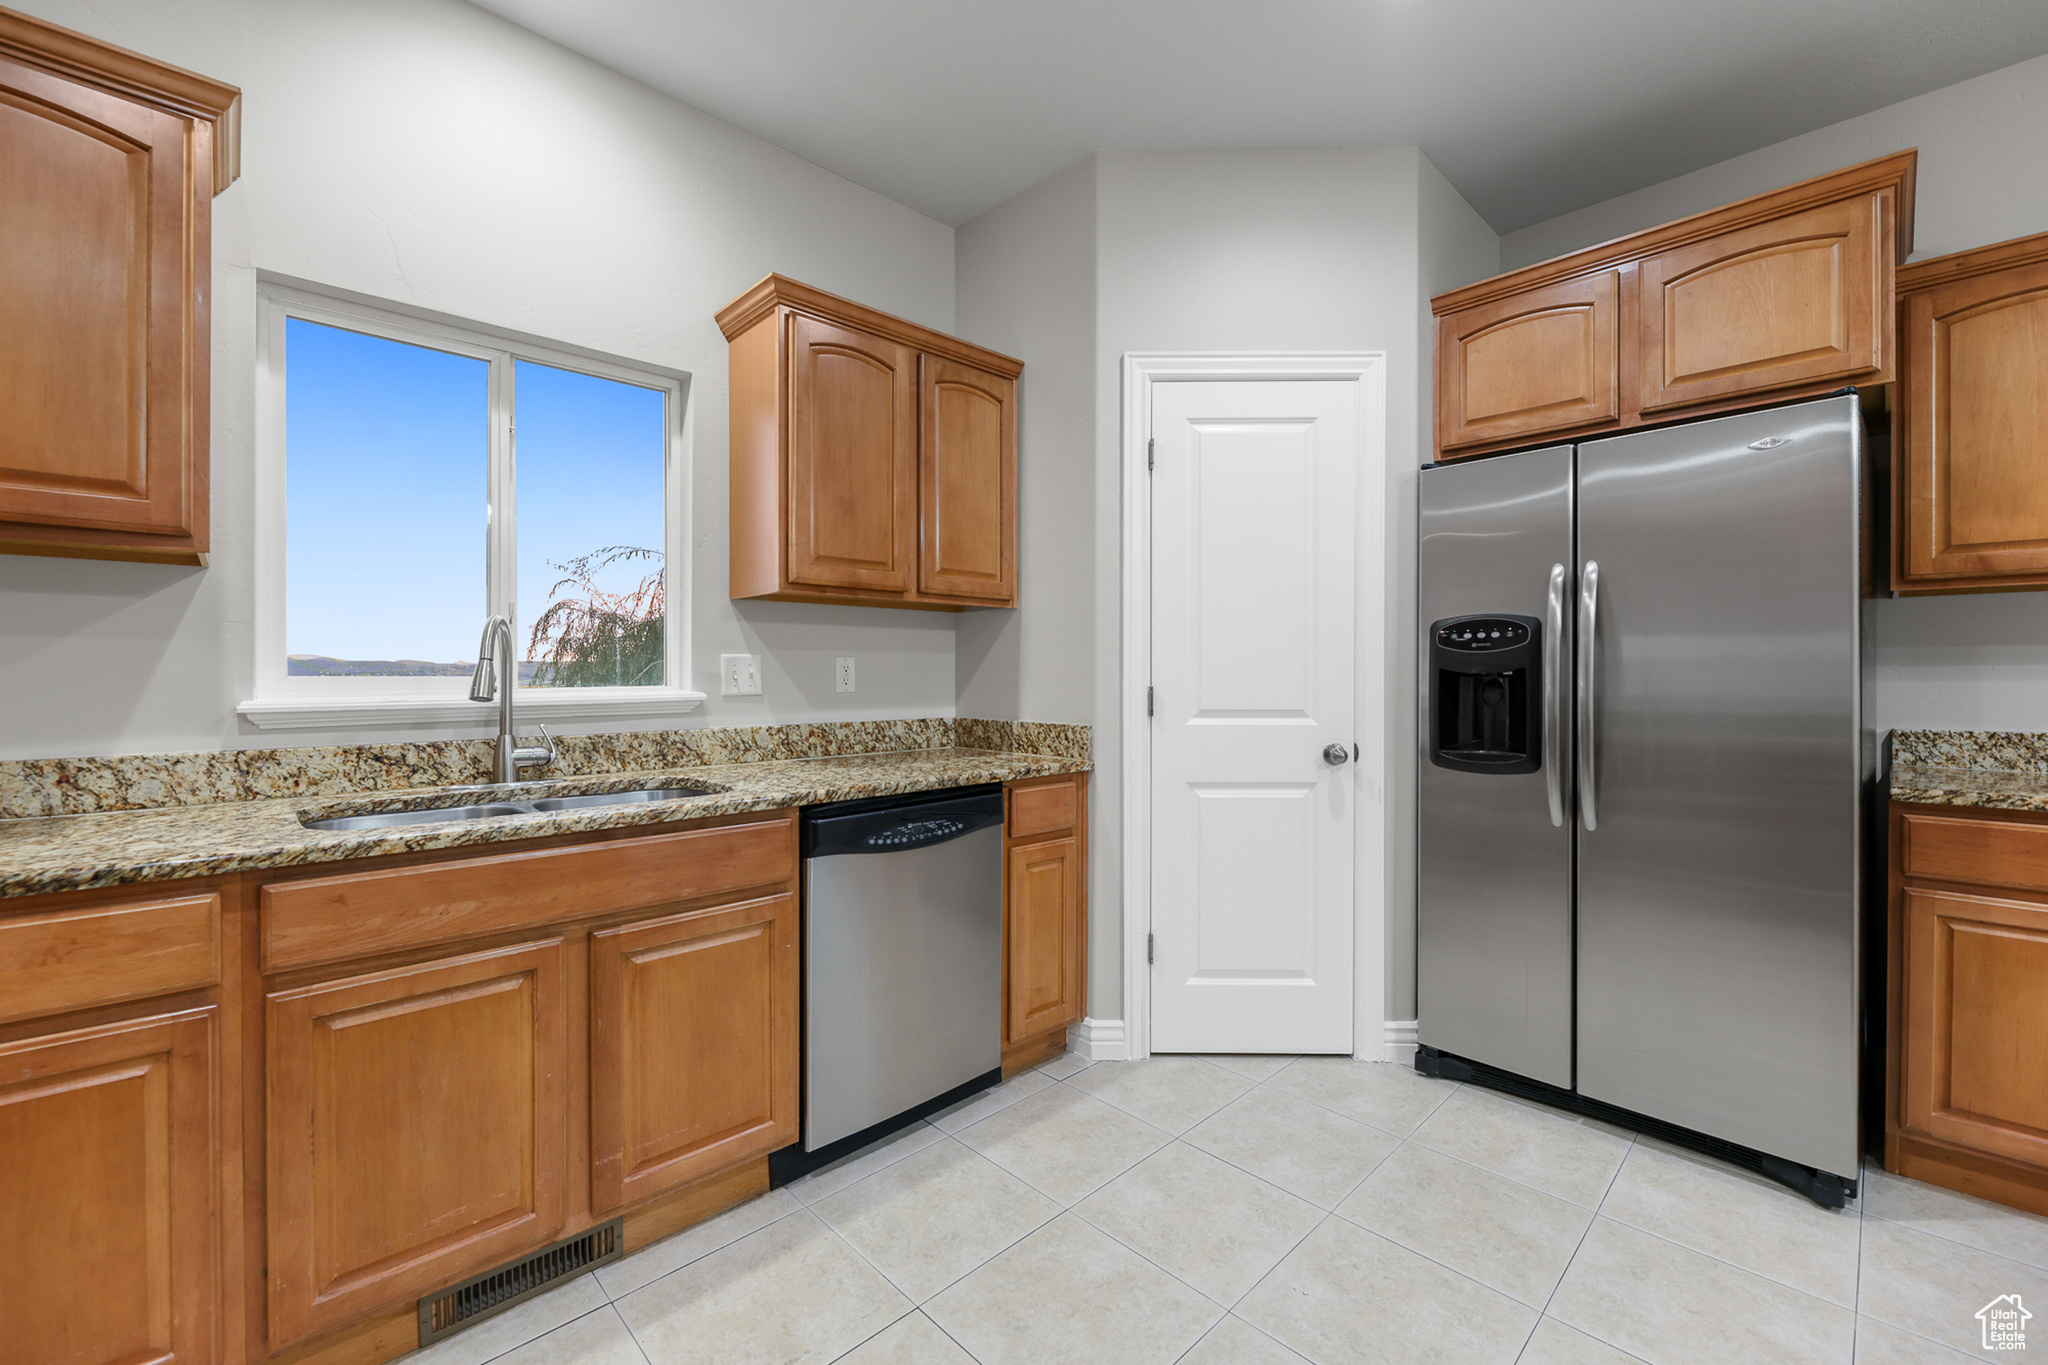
[{"x": 285, "y": 702}]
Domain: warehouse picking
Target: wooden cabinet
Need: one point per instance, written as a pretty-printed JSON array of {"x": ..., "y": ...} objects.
[
  {"x": 873, "y": 461},
  {"x": 108, "y": 1164},
  {"x": 693, "y": 1046},
  {"x": 418, "y": 1129},
  {"x": 1045, "y": 918},
  {"x": 1970, "y": 432},
  {"x": 108, "y": 165},
  {"x": 1967, "y": 1102},
  {"x": 1781, "y": 296}
]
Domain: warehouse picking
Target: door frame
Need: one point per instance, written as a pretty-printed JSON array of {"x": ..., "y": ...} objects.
[{"x": 1368, "y": 371}]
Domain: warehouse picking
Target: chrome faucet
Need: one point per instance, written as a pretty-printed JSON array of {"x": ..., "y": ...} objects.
[{"x": 497, "y": 675}]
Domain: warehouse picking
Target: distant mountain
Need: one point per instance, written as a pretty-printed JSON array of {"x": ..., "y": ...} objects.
[{"x": 321, "y": 666}]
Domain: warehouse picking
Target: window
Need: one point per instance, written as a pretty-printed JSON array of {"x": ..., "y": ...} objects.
[{"x": 416, "y": 476}]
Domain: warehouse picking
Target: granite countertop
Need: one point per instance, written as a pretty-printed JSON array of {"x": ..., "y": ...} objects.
[
  {"x": 117, "y": 848},
  {"x": 1992, "y": 769},
  {"x": 1985, "y": 787}
]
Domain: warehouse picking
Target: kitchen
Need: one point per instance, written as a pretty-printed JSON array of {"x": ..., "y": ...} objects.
[{"x": 441, "y": 167}]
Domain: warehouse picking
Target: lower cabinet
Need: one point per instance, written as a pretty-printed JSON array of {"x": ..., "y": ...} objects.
[
  {"x": 1969, "y": 963},
  {"x": 1045, "y": 920},
  {"x": 693, "y": 1046},
  {"x": 108, "y": 1166},
  {"x": 418, "y": 1125}
]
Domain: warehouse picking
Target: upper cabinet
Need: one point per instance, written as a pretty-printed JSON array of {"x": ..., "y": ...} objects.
[
  {"x": 874, "y": 461},
  {"x": 109, "y": 162},
  {"x": 1970, "y": 430},
  {"x": 1782, "y": 296}
]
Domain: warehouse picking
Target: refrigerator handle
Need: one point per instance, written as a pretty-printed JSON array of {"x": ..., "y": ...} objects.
[
  {"x": 1553, "y": 696},
  {"x": 1589, "y": 654}
]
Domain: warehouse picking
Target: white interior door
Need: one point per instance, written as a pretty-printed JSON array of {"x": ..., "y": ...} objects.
[{"x": 1254, "y": 561}]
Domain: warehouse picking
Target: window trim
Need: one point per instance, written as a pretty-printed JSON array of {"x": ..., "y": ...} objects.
[{"x": 282, "y": 702}]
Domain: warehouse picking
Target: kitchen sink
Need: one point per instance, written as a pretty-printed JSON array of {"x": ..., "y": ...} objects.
[{"x": 436, "y": 815}]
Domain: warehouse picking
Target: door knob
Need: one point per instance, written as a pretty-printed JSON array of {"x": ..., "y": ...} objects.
[{"x": 1336, "y": 755}]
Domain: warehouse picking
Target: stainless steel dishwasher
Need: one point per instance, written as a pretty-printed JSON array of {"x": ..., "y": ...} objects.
[{"x": 903, "y": 965}]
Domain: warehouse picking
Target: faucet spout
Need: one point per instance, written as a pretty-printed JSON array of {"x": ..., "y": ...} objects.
[{"x": 497, "y": 676}]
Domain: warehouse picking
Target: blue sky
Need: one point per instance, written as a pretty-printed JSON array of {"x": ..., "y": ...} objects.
[{"x": 386, "y": 490}]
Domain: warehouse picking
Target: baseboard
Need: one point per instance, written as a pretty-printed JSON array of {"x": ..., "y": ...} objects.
[
  {"x": 1402, "y": 1038},
  {"x": 1099, "y": 1040}
]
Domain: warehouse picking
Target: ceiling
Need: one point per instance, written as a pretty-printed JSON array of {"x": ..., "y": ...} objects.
[{"x": 1532, "y": 108}]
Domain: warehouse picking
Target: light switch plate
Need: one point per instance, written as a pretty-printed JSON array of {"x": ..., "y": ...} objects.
[
  {"x": 739, "y": 675},
  {"x": 842, "y": 674}
]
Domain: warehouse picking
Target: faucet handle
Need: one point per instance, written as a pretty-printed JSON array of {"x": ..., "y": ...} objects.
[{"x": 547, "y": 742}]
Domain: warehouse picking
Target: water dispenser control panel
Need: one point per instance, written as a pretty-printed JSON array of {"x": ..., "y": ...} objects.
[{"x": 1485, "y": 695}]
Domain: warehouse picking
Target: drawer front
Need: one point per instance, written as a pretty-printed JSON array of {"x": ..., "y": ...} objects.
[
  {"x": 124, "y": 950},
  {"x": 335, "y": 919},
  {"x": 1043, "y": 810},
  {"x": 1979, "y": 852}
]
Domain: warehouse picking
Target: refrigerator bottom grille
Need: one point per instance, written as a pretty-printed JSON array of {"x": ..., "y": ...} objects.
[{"x": 1827, "y": 1190}]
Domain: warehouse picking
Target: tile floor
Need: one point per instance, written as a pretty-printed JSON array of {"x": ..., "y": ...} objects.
[{"x": 1271, "y": 1210}]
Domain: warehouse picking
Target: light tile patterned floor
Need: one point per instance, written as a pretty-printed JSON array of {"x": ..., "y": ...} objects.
[{"x": 1266, "y": 1211}]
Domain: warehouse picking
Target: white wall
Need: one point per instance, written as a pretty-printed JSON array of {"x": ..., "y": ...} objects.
[
  {"x": 1235, "y": 251},
  {"x": 426, "y": 152},
  {"x": 1026, "y": 280},
  {"x": 1977, "y": 662}
]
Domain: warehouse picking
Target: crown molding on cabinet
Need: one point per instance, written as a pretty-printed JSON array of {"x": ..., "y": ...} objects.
[
  {"x": 780, "y": 291},
  {"x": 1968, "y": 265}
]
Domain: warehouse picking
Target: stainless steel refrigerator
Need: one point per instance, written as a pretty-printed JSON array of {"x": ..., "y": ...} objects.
[{"x": 1642, "y": 762}]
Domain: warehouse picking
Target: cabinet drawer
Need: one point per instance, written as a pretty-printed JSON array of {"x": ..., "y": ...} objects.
[
  {"x": 1980, "y": 852},
  {"x": 124, "y": 950},
  {"x": 334, "y": 919},
  {"x": 1043, "y": 810}
]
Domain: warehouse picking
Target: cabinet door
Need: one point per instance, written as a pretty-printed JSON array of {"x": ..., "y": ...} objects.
[
  {"x": 968, "y": 478},
  {"x": 1975, "y": 429},
  {"x": 417, "y": 1130},
  {"x": 1796, "y": 300},
  {"x": 693, "y": 1046},
  {"x": 852, "y": 457},
  {"x": 1539, "y": 361},
  {"x": 107, "y": 1164},
  {"x": 1976, "y": 1023},
  {"x": 1042, "y": 950},
  {"x": 101, "y": 375}
]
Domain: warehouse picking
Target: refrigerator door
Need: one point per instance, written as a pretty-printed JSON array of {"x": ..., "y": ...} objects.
[
  {"x": 1494, "y": 920},
  {"x": 1719, "y": 778}
]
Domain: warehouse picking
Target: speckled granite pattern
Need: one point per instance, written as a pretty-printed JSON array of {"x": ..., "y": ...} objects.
[
  {"x": 82, "y": 786},
  {"x": 118, "y": 848},
  {"x": 1994, "y": 770},
  {"x": 2003, "y": 751}
]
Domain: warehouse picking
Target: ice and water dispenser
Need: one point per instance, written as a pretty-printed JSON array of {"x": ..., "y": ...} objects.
[{"x": 1485, "y": 697}]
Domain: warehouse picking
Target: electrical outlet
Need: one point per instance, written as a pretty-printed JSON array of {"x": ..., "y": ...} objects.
[
  {"x": 739, "y": 675},
  {"x": 842, "y": 675}
]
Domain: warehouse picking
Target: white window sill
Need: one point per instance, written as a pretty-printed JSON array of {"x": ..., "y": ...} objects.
[{"x": 534, "y": 705}]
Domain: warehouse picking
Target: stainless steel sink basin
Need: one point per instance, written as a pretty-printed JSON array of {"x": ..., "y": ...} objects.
[
  {"x": 436, "y": 815},
  {"x": 617, "y": 798}
]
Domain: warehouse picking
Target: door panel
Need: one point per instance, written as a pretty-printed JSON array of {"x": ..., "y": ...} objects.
[
  {"x": 1976, "y": 1027},
  {"x": 968, "y": 474},
  {"x": 1254, "y": 526},
  {"x": 1976, "y": 428},
  {"x": 107, "y": 1165},
  {"x": 1042, "y": 950},
  {"x": 852, "y": 457},
  {"x": 1543, "y": 360},
  {"x": 1790, "y": 301},
  {"x": 96, "y": 286},
  {"x": 1494, "y": 910},
  {"x": 693, "y": 1046},
  {"x": 417, "y": 1129},
  {"x": 1717, "y": 910}
]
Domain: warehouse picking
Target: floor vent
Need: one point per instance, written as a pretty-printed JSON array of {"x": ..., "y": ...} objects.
[{"x": 494, "y": 1291}]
